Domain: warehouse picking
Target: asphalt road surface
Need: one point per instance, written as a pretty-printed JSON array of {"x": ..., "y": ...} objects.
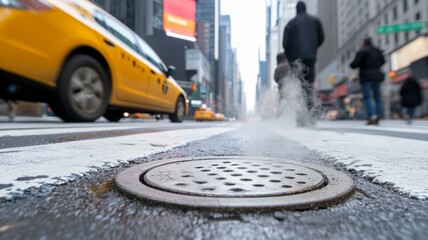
[{"x": 68, "y": 199}]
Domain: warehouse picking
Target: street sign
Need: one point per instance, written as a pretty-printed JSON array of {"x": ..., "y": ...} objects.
[{"x": 404, "y": 27}]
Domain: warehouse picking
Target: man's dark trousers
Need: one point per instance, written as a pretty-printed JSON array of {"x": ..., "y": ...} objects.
[{"x": 308, "y": 82}]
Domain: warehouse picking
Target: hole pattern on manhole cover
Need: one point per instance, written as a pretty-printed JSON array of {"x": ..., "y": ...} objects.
[{"x": 234, "y": 178}]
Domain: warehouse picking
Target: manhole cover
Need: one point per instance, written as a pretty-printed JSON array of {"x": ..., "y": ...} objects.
[
  {"x": 237, "y": 178},
  {"x": 236, "y": 182}
]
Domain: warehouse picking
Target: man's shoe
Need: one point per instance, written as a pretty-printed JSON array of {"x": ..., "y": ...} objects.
[
  {"x": 376, "y": 121},
  {"x": 371, "y": 122}
]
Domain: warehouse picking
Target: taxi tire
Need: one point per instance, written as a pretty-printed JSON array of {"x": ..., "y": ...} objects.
[
  {"x": 175, "y": 117},
  {"x": 113, "y": 116},
  {"x": 69, "y": 113},
  {"x": 58, "y": 111}
]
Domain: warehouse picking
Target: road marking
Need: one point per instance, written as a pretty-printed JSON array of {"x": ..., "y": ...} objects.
[
  {"x": 57, "y": 163},
  {"x": 400, "y": 162},
  {"x": 33, "y": 132}
]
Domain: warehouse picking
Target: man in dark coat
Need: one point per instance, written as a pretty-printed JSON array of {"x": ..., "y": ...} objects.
[
  {"x": 369, "y": 59},
  {"x": 303, "y": 35},
  {"x": 411, "y": 96}
]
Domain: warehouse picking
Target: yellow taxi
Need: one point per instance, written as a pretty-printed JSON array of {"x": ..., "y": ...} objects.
[
  {"x": 204, "y": 113},
  {"x": 83, "y": 62}
]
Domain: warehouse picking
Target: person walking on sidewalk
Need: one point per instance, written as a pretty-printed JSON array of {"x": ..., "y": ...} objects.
[
  {"x": 369, "y": 59},
  {"x": 411, "y": 96},
  {"x": 281, "y": 71},
  {"x": 303, "y": 35}
]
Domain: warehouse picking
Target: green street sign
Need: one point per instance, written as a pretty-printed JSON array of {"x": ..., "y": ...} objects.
[{"x": 404, "y": 27}]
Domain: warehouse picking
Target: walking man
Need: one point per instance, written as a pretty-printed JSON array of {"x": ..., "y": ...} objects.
[
  {"x": 369, "y": 59},
  {"x": 303, "y": 35}
]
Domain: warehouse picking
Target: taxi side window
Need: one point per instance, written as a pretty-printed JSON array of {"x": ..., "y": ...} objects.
[
  {"x": 117, "y": 30},
  {"x": 151, "y": 55},
  {"x": 99, "y": 18}
]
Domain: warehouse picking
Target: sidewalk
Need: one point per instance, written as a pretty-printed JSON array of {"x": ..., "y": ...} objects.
[{"x": 381, "y": 158}]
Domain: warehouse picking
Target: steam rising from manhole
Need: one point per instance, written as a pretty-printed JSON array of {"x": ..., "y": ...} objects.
[{"x": 235, "y": 182}]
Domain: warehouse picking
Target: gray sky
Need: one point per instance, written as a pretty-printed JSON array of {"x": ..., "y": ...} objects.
[{"x": 248, "y": 19}]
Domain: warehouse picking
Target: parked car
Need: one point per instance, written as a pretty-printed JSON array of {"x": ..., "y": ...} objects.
[{"x": 83, "y": 62}]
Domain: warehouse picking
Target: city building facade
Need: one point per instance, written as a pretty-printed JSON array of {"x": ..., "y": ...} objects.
[{"x": 357, "y": 20}]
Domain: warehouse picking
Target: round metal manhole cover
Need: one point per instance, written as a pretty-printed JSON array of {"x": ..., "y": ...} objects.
[
  {"x": 236, "y": 182},
  {"x": 237, "y": 178}
]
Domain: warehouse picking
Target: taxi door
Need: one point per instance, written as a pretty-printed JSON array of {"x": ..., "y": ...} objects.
[
  {"x": 160, "y": 90},
  {"x": 130, "y": 71}
]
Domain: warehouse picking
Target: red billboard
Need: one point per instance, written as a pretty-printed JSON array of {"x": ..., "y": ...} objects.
[{"x": 179, "y": 18}]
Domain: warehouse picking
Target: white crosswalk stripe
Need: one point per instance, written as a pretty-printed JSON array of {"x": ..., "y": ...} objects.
[{"x": 25, "y": 167}]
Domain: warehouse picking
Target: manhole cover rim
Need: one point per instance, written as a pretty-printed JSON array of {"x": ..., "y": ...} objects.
[{"x": 339, "y": 187}]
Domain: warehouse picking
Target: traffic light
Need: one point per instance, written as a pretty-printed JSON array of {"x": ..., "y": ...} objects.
[
  {"x": 392, "y": 74},
  {"x": 194, "y": 87},
  {"x": 331, "y": 79}
]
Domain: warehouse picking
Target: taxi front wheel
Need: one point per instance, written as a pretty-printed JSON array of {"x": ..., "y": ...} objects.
[
  {"x": 83, "y": 91},
  {"x": 180, "y": 111}
]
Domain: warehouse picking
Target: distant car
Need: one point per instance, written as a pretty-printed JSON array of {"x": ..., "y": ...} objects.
[
  {"x": 219, "y": 116},
  {"x": 204, "y": 114},
  {"x": 83, "y": 62}
]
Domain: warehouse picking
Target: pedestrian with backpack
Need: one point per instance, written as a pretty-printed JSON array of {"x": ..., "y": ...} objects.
[{"x": 369, "y": 59}]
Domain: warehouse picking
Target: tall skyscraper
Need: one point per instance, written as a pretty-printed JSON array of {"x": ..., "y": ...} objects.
[
  {"x": 227, "y": 61},
  {"x": 208, "y": 39},
  {"x": 327, "y": 55},
  {"x": 208, "y": 12}
]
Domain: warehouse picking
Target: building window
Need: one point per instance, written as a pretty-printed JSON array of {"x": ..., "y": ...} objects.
[
  {"x": 404, "y": 5},
  {"x": 99, "y": 2},
  {"x": 114, "y": 8},
  {"x": 394, "y": 13},
  {"x": 158, "y": 14},
  {"x": 386, "y": 19},
  {"x": 406, "y": 34},
  {"x": 386, "y": 39},
  {"x": 417, "y": 18},
  {"x": 416, "y": 1},
  {"x": 130, "y": 14},
  {"x": 396, "y": 38}
]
